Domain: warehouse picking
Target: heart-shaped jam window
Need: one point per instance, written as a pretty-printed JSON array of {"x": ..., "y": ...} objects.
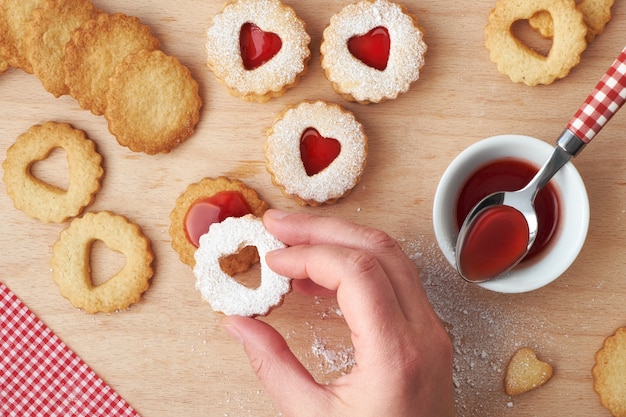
[
  {"x": 257, "y": 46},
  {"x": 316, "y": 151},
  {"x": 372, "y": 48},
  {"x": 214, "y": 209}
]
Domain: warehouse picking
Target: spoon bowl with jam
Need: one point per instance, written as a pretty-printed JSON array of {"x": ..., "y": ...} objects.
[{"x": 508, "y": 162}]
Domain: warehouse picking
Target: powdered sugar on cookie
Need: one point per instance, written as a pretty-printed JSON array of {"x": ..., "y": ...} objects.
[
  {"x": 223, "y": 292},
  {"x": 283, "y": 158},
  {"x": 280, "y": 72},
  {"x": 358, "y": 81}
]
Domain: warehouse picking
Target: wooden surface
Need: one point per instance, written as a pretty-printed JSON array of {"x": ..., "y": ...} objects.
[{"x": 168, "y": 356}]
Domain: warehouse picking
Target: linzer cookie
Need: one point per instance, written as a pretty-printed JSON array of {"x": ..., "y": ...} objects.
[
  {"x": 257, "y": 48},
  {"x": 372, "y": 51},
  {"x": 211, "y": 201},
  {"x": 315, "y": 152}
]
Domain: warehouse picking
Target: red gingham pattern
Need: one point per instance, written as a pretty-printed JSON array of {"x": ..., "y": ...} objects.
[
  {"x": 605, "y": 100},
  {"x": 41, "y": 377}
]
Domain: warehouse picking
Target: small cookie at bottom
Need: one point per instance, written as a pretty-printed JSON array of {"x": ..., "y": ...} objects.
[
  {"x": 315, "y": 152},
  {"x": 39, "y": 199},
  {"x": 71, "y": 269},
  {"x": 153, "y": 103},
  {"x": 206, "y": 202},
  {"x": 218, "y": 288},
  {"x": 609, "y": 373},
  {"x": 526, "y": 372}
]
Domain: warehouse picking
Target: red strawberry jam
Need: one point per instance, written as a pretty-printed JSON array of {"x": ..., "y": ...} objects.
[
  {"x": 206, "y": 211},
  {"x": 257, "y": 46},
  {"x": 497, "y": 239},
  {"x": 509, "y": 174},
  {"x": 372, "y": 48},
  {"x": 316, "y": 151}
]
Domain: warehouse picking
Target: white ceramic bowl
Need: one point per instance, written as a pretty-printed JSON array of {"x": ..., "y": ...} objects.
[{"x": 573, "y": 223}]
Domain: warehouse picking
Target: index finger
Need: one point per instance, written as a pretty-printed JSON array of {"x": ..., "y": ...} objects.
[
  {"x": 303, "y": 229},
  {"x": 365, "y": 295}
]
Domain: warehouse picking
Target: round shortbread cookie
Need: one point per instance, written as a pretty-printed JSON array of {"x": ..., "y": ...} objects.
[
  {"x": 153, "y": 102},
  {"x": 71, "y": 270},
  {"x": 48, "y": 31},
  {"x": 272, "y": 20}
]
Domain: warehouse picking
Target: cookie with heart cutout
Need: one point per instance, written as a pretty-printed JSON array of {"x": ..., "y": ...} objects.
[
  {"x": 315, "y": 152},
  {"x": 257, "y": 48},
  {"x": 372, "y": 51}
]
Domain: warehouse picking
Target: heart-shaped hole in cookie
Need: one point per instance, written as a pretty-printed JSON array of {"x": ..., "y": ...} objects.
[
  {"x": 372, "y": 48},
  {"x": 53, "y": 170},
  {"x": 257, "y": 46},
  {"x": 244, "y": 267},
  {"x": 104, "y": 263},
  {"x": 317, "y": 152},
  {"x": 531, "y": 38}
]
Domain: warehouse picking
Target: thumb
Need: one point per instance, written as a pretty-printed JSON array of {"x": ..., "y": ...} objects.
[{"x": 290, "y": 385}]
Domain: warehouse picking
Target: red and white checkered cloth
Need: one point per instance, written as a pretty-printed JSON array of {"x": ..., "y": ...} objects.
[
  {"x": 41, "y": 377},
  {"x": 605, "y": 100}
]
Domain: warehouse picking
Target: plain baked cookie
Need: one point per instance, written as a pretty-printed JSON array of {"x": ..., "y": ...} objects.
[
  {"x": 208, "y": 201},
  {"x": 315, "y": 152},
  {"x": 93, "y": 51},
  {"x": 521, "y": 63},
  {"x": 48, "y": 31},
  {"x": 257, "y": 48},
  {"x": 153, "y": 103},
  {"x": 39, "y": 199},
  {"x": 14, "y": 16},
  {"x": 525, "y": 372},
  {"x": 609, "y": 373},
  {"x": 372, "y": 51},
  {"x": 218, "y": 288},
  {"x": 71, "y": 270},
  {"x": 596, "y": 15}
]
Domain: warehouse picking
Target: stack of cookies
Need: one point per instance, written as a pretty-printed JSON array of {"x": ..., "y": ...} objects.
[{"x": 110, "y": 63}]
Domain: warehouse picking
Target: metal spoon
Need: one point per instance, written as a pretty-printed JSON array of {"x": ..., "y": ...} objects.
[{"x": 604, "y": 101}]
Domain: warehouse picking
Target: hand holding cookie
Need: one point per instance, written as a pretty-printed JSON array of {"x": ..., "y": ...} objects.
[{"x": 403, "y": 353}]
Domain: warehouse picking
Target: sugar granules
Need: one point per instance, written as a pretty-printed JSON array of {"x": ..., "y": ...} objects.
[{"x": 484, "y": 334}]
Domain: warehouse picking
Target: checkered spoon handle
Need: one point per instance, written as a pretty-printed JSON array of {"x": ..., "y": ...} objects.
[{"x": 605, "y": 100}]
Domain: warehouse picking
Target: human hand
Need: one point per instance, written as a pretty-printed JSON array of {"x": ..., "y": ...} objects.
[{"x": 402, "y": 351}]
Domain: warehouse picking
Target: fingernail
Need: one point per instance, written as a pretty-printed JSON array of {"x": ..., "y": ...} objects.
[
  {"x": 233, "y": 332},
  {"x": 275, "y": 214}
]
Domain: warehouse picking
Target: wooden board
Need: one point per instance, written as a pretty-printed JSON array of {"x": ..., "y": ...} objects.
[{"x": 168, "y": 356}]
